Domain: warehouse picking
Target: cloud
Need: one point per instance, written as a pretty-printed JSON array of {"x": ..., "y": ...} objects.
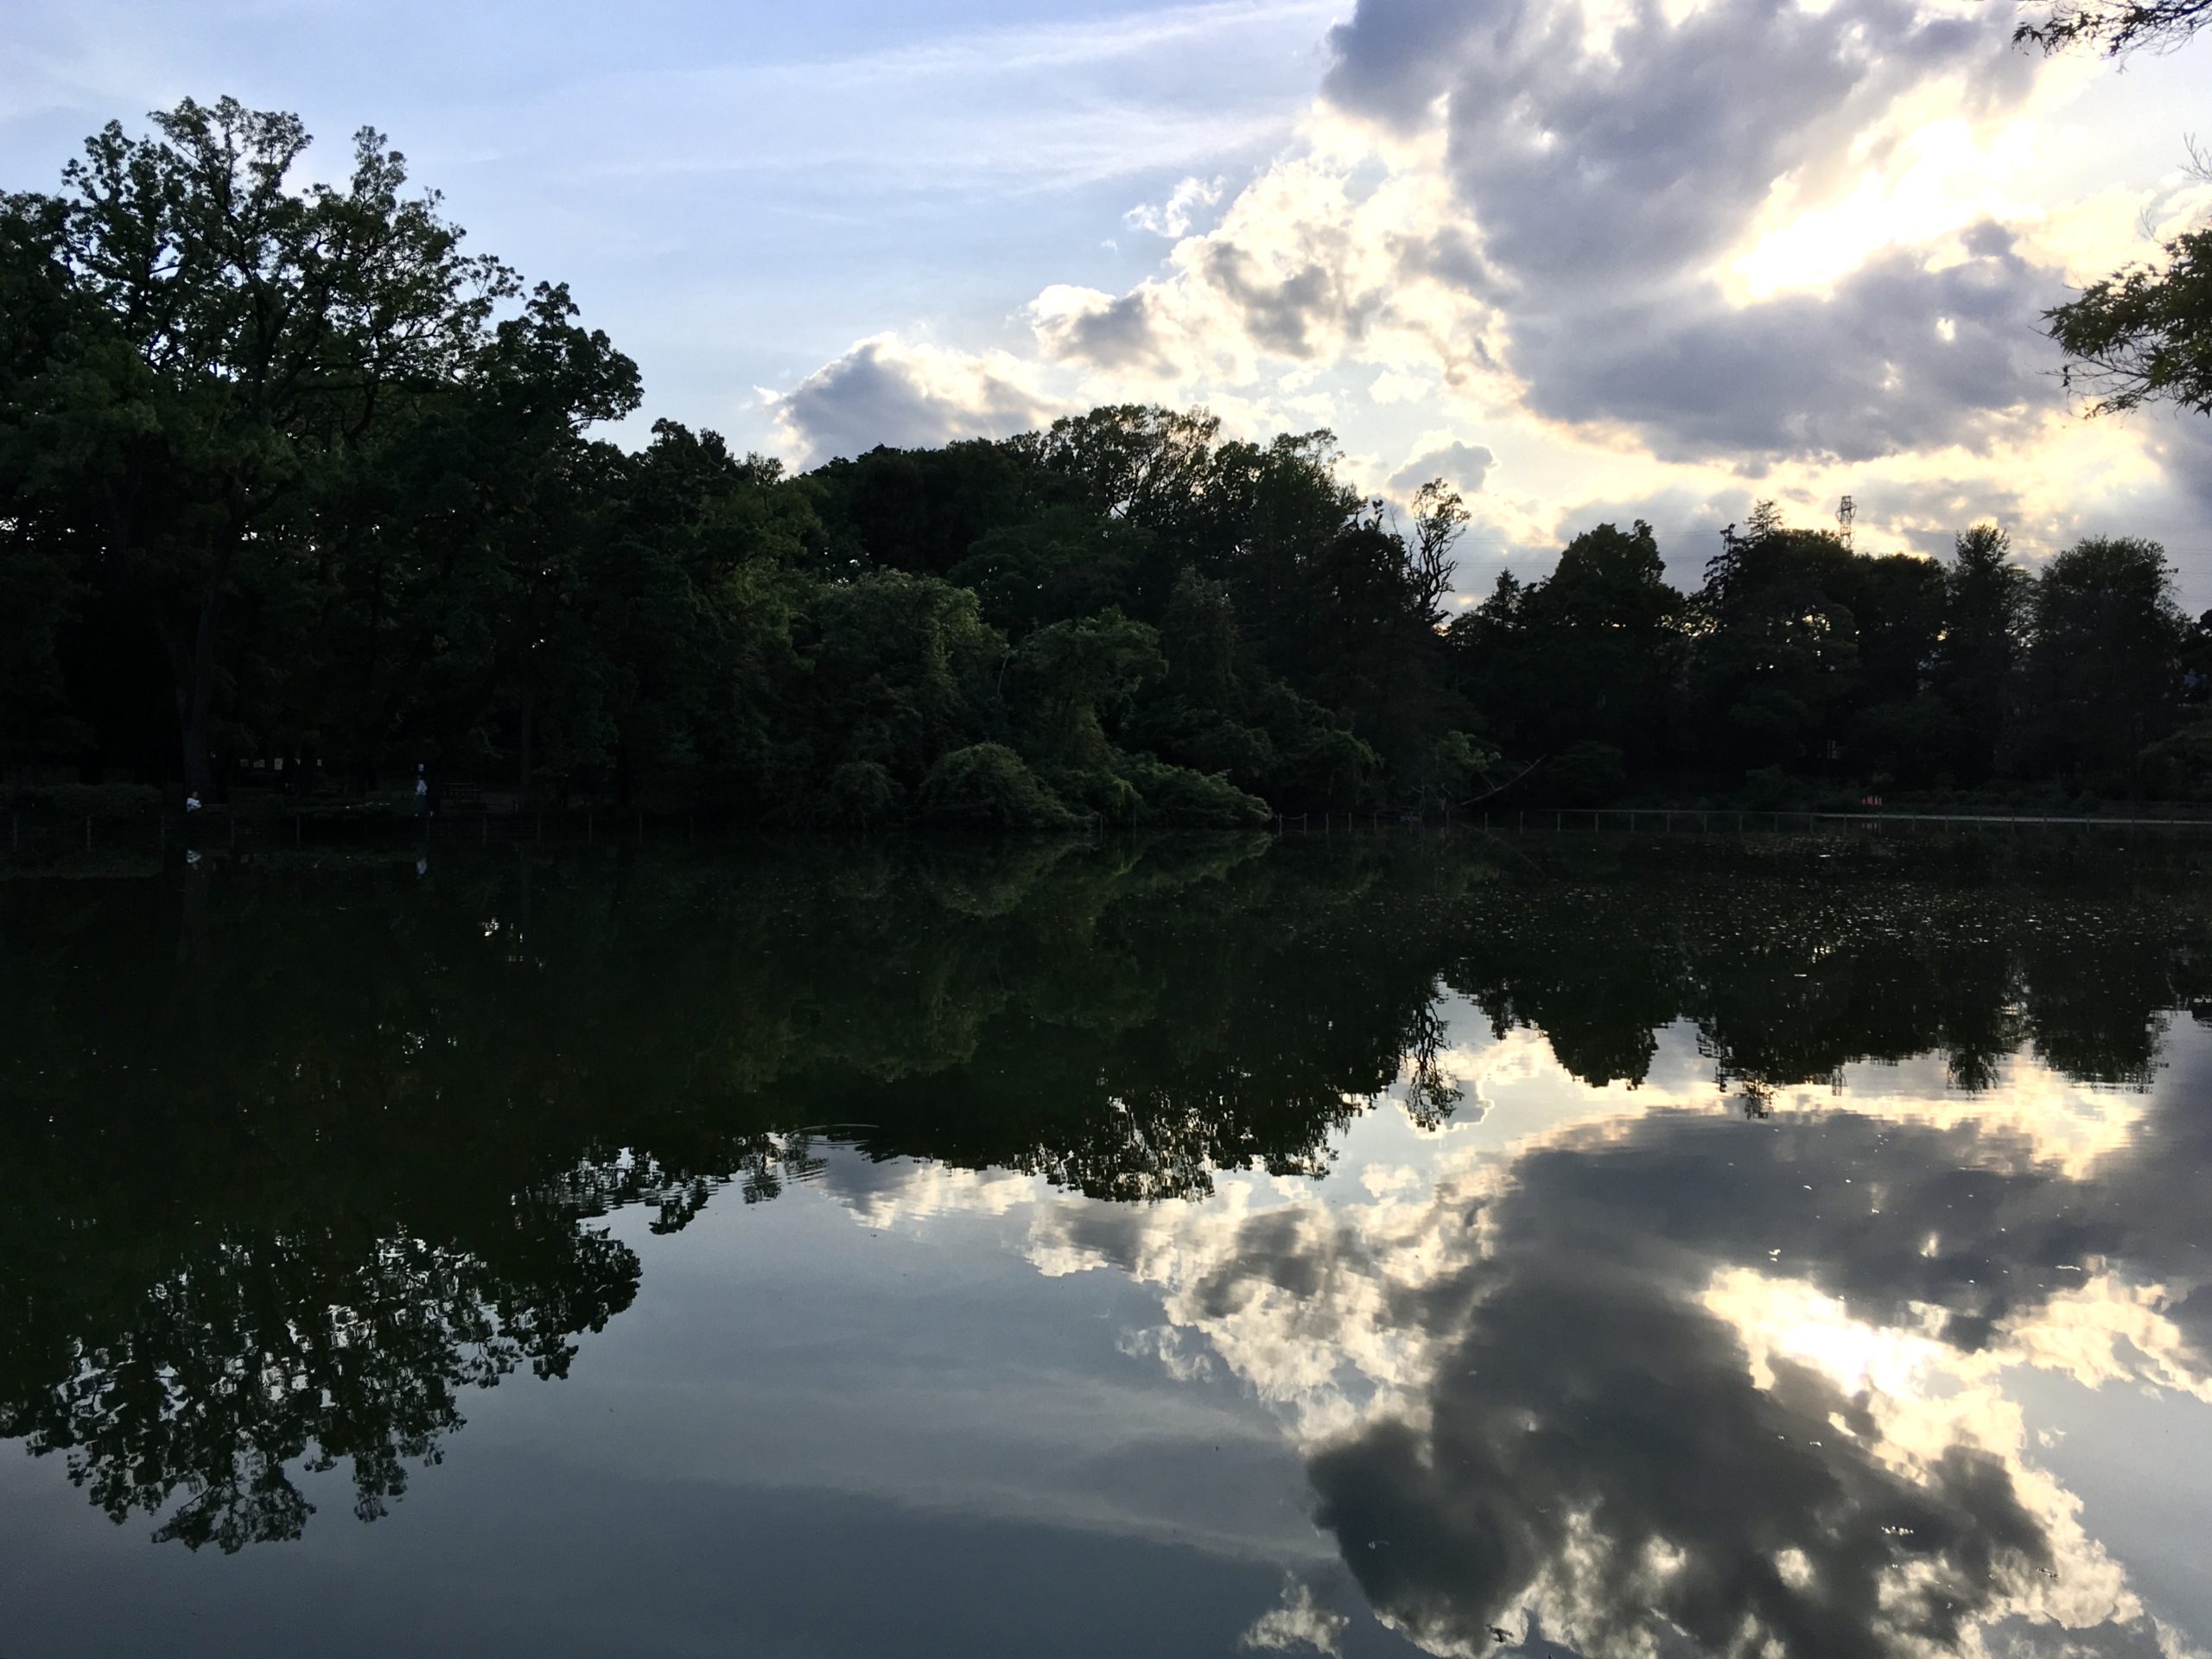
[
  {"x": 1033, "y": 104},
  {"x": 1690, "y": 254},
  {"x": 885, "y": 391},
  {"x": 1312, "y": 264},
  {"x": 1592, "y": 156},
  {"x": 1130, "y": 335},
  {"x": 1286, "y": 312},
  {"x": 1550, "y": 217},
  {"x": 1466, "y": 465},
  {"x": 1656, "y": 1381},
  {"x": 1301, "y": 1623},
  {"x": 1174, "y": 217},
  {"x": 1903, "y": 355},
  {"x": 1401, "y": 386}
]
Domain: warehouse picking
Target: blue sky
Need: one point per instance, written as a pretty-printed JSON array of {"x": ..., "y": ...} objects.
[{"x": 1593, "y": 258}]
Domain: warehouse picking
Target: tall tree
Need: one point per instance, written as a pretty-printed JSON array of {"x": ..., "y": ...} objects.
[
  {"x": 37, "y": 591},
  {"x": 1777, "y": 659},
  {"x": 238, "y": 338},
  {"x": 1985, "y": 616},
  {"x": 2104, "y": 661},
  {"x": 1606, "y": 633}
]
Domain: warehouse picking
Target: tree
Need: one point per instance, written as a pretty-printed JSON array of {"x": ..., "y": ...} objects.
[
  {"x": 1070, "y": 678},
  {"x": 1065, "y": 563},
  {"x": 1604, "y": 632},
  {"x": 240, "y": 338},
  {"x": 2144, "y": 334},
  {"x": 2104, "y": 658},
  {"x": 473, "y": 564},
  {"x": 1985, "y": 622},
  {"x": 1776, "y": 662},
  {"x": 39, "y": 594},
  {"x": 1440, "y": 517},
  {"x": 2115, "y": 30},
  {"x": 988, "y": 785}
]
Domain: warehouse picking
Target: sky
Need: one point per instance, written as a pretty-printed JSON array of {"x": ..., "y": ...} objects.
[{"x": 1590, "y": 259}]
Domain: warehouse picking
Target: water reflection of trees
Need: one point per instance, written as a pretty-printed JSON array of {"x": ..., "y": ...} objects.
[{"x": 295, "y": 1163}]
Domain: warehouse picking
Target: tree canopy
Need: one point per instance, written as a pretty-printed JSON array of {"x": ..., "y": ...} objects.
[{"x": 297, "y": 486}]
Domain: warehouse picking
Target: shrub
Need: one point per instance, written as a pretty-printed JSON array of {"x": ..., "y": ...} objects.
[
  {"x": 1196, "y": 800},
  {"x": 988, "y": 786},
  {"x": 1588, "y": 774},
  {"x": 862, "y": 792}
]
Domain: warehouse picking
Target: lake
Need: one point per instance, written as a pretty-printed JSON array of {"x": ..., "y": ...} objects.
[{"x": 1655, "y": 1245}]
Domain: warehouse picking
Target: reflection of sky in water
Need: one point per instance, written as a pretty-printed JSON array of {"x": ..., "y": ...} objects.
[
  {"x": 1894, "y": 1370},
  {"x": 1623, "y": 1369}
]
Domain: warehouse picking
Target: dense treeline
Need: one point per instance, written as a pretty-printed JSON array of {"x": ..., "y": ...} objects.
[
  {"x": 288, "y": 479},
  {"x": 1800, "y": 659}
]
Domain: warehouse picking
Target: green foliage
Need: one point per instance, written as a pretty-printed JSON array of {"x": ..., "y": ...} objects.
[
  {"x": 2180, "y": 767},
  {"x": 1585, "y": 774},
  {"x": 1767, "y": 787},
  {"x": 862, "y": 792},
  {"x": 2144, "y": 334},
  {"x": 1594, "y": 654},
  {"x": 292, "y": 475},
  {"x": 2102, "y": 673},
  {"x": 1178, "y": 798},
  {"x": 988, "y": 785}
]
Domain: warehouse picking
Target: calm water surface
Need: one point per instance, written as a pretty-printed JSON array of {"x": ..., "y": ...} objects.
[{"x": 1194, "y": 1248}]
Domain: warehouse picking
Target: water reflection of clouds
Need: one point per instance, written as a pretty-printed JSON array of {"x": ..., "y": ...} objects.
[
  {"x": 2029, "y": 1108},
  {"x": 1613, "y": 1366},
  {"x": 891, "y": 1195}
]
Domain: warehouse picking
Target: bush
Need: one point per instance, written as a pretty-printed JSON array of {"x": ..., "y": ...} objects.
[
  {"x": 1195, "y": 800},
  {"x": 988, "y": 785},
  {"x": 1098, "y": 792},
  {"x": 2180, "y": 769},
  {"x": 862, "y": 792},
  {"x": 1588, "y": 774},
  {"x": 1766, "y": 788}
]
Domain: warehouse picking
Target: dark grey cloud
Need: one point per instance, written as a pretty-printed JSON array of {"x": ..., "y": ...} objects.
[
  {"x": 1126, "y": 335},
  {"x": 1899, "y": 357},
  {"x": 1294, "y": 316},
  {"x": 1466, "y": 465},
  {"x": 876, "y": 395},
  {"x": 1602, "y": 184},
  {"x": 1588, "y": 169},
  {"x": 1396, "y": 57}
]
